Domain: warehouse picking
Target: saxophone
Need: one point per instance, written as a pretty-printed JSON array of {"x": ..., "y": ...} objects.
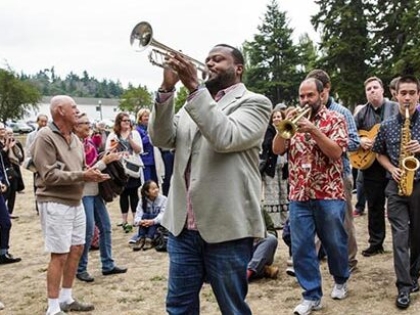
[{"x": 407, "y": 162}]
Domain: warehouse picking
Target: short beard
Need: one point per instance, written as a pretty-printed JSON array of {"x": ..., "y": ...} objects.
[
  {"x": 317, "y": 108},
  {"x": 221, "y": 81}
]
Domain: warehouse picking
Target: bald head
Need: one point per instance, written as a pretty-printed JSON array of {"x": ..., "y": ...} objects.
[
  {"x": 64, "y": 112},
  {"x": 59, "y": 100},
  {"x": 319, "y": 87}
]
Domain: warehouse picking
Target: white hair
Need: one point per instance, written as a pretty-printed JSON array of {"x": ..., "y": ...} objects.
[{"x": 102, "y": 123}]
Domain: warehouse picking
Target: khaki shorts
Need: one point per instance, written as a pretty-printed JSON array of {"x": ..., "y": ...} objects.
[{"x": 62, "y": 225}]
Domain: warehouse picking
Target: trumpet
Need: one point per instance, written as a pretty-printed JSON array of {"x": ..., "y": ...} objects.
[
  {"x": 287, "y": 128},
  {"x": 142, "y": 37}
]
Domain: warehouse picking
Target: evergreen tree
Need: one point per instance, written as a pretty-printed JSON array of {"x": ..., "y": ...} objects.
[
  {"x": 48, "y": 83},
  {"x": 307, "y": 53},
  {"x": 396, "y": 38},
  {"x": 273, "y": 59},
  {"x": 345, "y": 46}
]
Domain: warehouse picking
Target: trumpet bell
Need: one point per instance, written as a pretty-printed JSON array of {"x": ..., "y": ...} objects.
[
  {"x": 286, "y": 129},
  {"x": 141, "y": 36}
]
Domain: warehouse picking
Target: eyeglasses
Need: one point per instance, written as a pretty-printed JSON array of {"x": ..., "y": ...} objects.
[{"x": 126, "y": 120}]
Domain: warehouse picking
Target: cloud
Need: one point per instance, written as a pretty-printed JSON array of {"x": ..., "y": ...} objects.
[{"x": 94, "y": 35}]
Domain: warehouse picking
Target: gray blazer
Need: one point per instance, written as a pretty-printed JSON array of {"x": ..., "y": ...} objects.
[{"x": 222, "y": 141}]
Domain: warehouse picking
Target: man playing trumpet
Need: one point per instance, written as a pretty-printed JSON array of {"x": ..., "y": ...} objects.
[
  {"x": 398, "y": 138},
  {"x": 317, "y": 200},
  {"x": 213, "y": 211}
]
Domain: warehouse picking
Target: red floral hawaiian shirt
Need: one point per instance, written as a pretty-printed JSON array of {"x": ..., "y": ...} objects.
[{"x": 312, "y": 175}]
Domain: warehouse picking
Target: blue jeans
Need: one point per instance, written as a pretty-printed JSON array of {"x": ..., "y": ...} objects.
[
  {"x": 223, "y": 265},
  {"x": 149, "y": 231},
  {"x": 96, "y": 211},
  {"x": 325, "y": 218}
]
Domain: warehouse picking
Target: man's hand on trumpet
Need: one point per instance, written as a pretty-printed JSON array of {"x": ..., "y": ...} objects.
[
  {"x": 170, "y": 77},
  {"x": 180, "y": 68},
  {"x": 305, "y": 125},
  {"x": 291, "y": 112}
]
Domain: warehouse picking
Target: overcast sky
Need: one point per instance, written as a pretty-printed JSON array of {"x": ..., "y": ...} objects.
[{"x": 93, "y": 35}]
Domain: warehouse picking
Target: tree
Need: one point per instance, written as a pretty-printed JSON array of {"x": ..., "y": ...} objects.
[
  {"x": 396, "y": 38},
  {"x": 16, "y": 96},
  {"x": 181, "y": 98},
  {"x": 73, "y": 85},
  {"x": 273, "y": 59},
  {"x": 307, "y": 53},
  {"x": 345, "y": 46},
  {"x": 135, "y": 98}
]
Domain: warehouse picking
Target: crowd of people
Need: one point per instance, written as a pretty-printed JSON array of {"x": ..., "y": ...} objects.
[{"x": 222, "y": 178}]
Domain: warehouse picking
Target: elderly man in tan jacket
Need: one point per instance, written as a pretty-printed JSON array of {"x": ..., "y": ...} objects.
[{"x": 59, "y": 158}]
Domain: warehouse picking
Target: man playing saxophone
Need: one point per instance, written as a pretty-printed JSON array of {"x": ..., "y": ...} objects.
[{"x": 396, "y": 143}]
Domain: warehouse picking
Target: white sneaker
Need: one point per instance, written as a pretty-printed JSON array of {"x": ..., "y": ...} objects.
[
  {"x": 307, "y": 306},
  {"x": 291, "y": 271},
  {"x": 1, "y": 306},
  {"x": 339, "y": 292}
]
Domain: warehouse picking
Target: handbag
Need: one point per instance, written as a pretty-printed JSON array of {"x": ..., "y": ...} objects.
[
  {"x": 11, "y": 173},
  {"x": 161, "y": 239},
  {"x": 132, "y": 164},
  {"x": 15, "y": 155},
  {"x": 115, "y": 185}
]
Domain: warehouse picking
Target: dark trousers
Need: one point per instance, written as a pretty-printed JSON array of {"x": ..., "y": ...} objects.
[
  {"x": 5, "y": 224},
  {"x": 129, "y": 198},
  {"x": 360, "y": 190},
  {"x": 10, "y": 195},
  {"x": 404, "y": 216},
  {"x": 375, "y": 196},
  {"x": 168, "y": 161}
]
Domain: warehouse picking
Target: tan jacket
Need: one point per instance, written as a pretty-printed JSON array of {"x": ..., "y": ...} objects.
[
  {"x": 223, "y": 141},
  {"x": 59, "y": 167}
]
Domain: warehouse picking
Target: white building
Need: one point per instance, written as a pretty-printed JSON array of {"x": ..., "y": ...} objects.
[{"x": 95, "y": 108}]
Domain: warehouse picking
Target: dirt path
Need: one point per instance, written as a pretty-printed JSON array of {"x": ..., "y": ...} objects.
[{"x": 142, "y": 289}]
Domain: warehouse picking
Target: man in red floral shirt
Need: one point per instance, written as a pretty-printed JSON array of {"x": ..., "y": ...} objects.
[{"x": 317, "y": 200}]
